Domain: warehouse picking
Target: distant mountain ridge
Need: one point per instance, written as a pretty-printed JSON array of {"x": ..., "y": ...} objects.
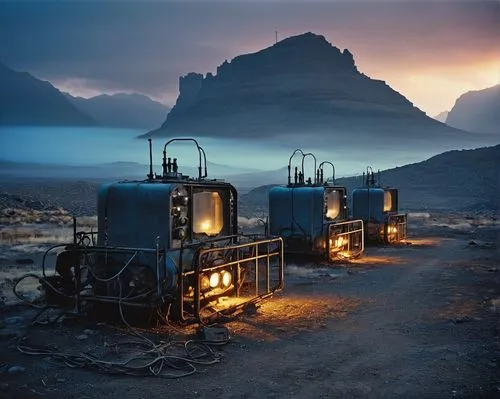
[
  {"x": 454, "y": 180},
  {"x": 26, "y": 100},
  {"x": 477, "y": 111},
  {"x": 134, "y": 111},
  {"x": 303, "y": 87}
]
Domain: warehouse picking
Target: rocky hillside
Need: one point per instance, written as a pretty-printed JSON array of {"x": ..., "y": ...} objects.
[
  {"x": 455, "y": 180},
  {"x": 122, "y": 110},
  {"x": 466, "y": 179},
  {"x": 303, "y": 87},
  {"x": 26, "y": 100},
  {"x": 477, "y": 111}
]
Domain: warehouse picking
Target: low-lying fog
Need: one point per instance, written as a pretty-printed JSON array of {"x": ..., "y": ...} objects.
[{"x": 95, "y": 146}]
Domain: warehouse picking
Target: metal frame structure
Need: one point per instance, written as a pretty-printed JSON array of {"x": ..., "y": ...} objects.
[
  {"x": 246, "y": 253},
  {"x": 352, "y": 231},
  {"x": 250, "y": 256},
  {"x": 395, "y": 228},
  {"x": 180, "y": 275},
  {"x": 323, "y": 239}
]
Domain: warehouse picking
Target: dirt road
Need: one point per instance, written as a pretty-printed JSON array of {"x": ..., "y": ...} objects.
[{"x": 417, "y": 321}]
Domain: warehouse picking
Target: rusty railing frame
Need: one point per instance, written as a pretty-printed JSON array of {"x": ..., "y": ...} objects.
[{"x": 349, "y": 234}]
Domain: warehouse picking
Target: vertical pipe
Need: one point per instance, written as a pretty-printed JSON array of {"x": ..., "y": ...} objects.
[
  {"x": 180, "y": 285},
  {"x": 164, "y": 164},
  {"x": 76, "y": 259},
  {"x": 158, "y": 286},
  {"x": 268, "y": 271},
  {"x": 281, "y": 265},
  {"x": 327, "y": 242},
  {"x": 150, "y": 175},
  {"x": 237, "y": 272},
  {"x": 362, "y": 236},
  {"x": 197, "y": 289},
  {"x": 257, "y": 270}
]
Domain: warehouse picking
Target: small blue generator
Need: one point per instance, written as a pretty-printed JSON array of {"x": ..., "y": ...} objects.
[
  {"x": 377, "y": 206},
  {"x": 311, "y": 215}
]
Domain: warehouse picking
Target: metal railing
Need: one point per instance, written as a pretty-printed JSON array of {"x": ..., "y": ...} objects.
[
  {"x": 396, "y": 228},
  {"x": 256, "y": 266},
  {"x": 260, "y": 258},
  {"x": 345, "y": 239}
]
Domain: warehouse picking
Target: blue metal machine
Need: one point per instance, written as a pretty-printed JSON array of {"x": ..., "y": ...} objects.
[
  {"x": 311, "y": 215},
  {"x": 170, "y": 243},
  {"x": 378, "y": 208}
]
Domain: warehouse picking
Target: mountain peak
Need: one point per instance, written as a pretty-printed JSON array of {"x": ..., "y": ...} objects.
[
  {"x": 307, "y": 52},
  {"x": 304, "y": 39},
  {"x": 477, "y": 111},
  {"x": 26, "y": 100},
  {"x": 301, "y": 83}
]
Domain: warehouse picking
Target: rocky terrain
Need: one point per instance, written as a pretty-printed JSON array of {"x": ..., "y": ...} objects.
[
  {"x": 77, "y": 197},
  {"x": 414, "y": 320},
  {"x": 477, "y": 111},
  {"x": 420, "y": 320}
]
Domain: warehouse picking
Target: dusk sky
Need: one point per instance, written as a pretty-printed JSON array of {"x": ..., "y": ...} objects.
[{"x": 431, "y": 52}]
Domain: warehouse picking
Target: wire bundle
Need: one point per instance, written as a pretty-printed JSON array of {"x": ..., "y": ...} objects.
[
  {"x": 155, "y": 361},
  {"x": 150, "y": 359}
]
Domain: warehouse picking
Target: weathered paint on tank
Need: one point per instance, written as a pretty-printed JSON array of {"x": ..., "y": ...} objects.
[
  {"x": 134, "y": 214},
  {"x": 300, "y": 211},
  {"x": 296, "y": 211},
  {"x": 368, "y": 204}
]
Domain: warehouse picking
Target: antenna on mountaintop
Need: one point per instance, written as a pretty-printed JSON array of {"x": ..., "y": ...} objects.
[{"x": 276, "y": 35}]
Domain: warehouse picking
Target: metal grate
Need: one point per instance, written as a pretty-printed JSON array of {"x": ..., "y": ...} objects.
[
  {"x": 345, "y": 239},
  {"x": 256, "y": 265}
]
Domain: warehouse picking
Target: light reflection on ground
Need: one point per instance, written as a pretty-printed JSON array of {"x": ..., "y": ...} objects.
[{"x": 285, "y": 315}]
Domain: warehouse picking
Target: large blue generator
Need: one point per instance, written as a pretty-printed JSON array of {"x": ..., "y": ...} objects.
[
  {"x": 170, "y": 243},
  {"x": 311, "y": 215},
  {"x": 378, "y": 208}
]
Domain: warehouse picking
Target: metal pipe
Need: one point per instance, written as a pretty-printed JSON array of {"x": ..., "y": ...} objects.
[
  {"x": 182, "y": 139},
  {"x": 77, "y": 268},
  {"x": 333, "y": 167},
  {"x": 231, "y": 263},
  {"x": 150, "y": 175},
  {"x": 93, "y": 298},
  {"x": 369, "y": 173},
  {"x": 290, "y": 163},
  {"x": 123, "y": 249},
  {"x": 158, "y": 286},
  {"x": 268, "y": 271},
  {"x": 303, "y": 158},
  {"x": 205, "y": 161},
  {"x": 256, "y": 270}
]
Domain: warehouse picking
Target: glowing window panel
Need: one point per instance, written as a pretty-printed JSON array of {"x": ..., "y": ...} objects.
[
  {"x": 332, "y": 204},
  {"x": 207, "y": 213},
  {"x": 387, "y": 201}
]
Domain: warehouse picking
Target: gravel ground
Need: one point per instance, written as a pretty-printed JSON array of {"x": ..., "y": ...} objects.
[{"x": 414, "y": 321}]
